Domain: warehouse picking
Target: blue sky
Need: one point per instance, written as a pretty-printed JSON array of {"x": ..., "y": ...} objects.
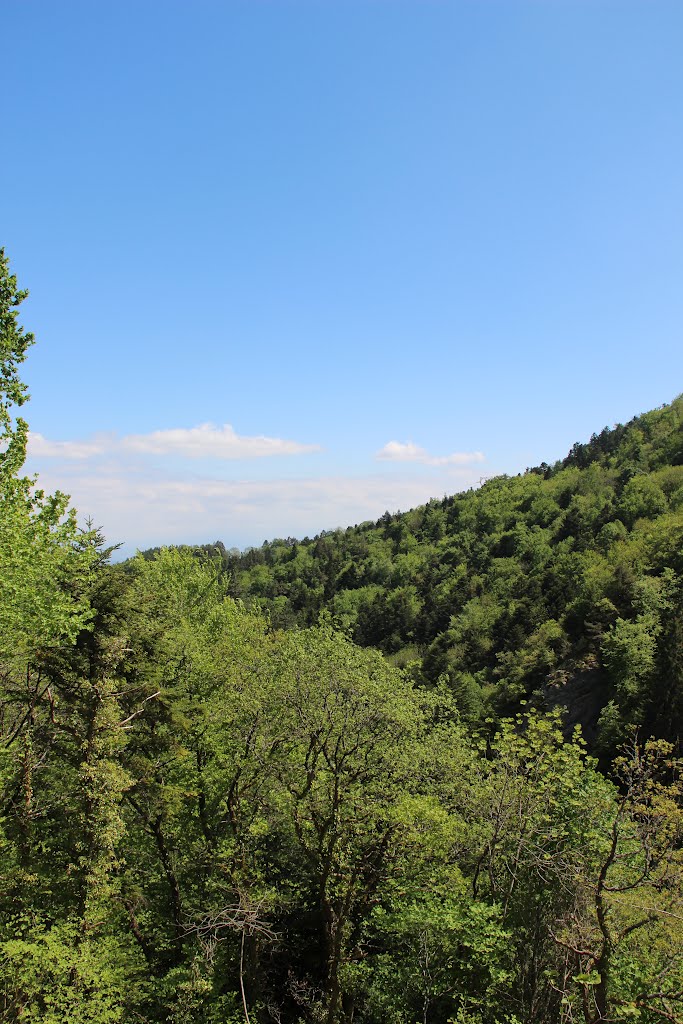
[{"x": 294, "y": 263}]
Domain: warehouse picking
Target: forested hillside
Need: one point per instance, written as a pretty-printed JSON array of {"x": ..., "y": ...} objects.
[
  {"x": 559, "y": 586},
  {"x": 207, "y": 818}
]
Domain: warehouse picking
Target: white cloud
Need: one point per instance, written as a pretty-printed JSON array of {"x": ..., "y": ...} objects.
[
  {"x": 205, "y": 441},
  {"x": 210, "y": 441},
  {"x": 41, "y": 447},
  {"x": 399, "y": 451}
]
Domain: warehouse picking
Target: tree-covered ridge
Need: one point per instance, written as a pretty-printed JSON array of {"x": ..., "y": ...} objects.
[{"x": 559, "y": 585}]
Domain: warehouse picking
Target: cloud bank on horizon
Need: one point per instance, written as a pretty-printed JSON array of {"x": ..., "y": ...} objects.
[
  {"x": 125, "y": 485},
  {"x": 144, "y": 509}
]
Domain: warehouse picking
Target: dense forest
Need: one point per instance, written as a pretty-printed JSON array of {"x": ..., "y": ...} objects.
[
  {"x": 344, "y": 778},
  {"x": 560, "y": 586}
]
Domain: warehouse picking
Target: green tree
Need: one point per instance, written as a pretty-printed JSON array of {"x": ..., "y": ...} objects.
[
  {"x": 59, "y": 778},
  {"x": 39, "y": 557},
  {"x": 623, "y": 935},
  {"x": 349, "y": 726}
]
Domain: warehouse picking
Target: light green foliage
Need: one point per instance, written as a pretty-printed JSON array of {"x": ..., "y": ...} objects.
[
  {"x": 14, "y": 342},
  {"x": 442, "y": 953},
  {"x": 623, "y": 938},
  {"x": 59, "y": 976},
  {"x": 629, "y": 651},
  {"x": 536, "y": 805},
  {"x": 41, "y": 571},
  {"x": 642, "y": 498},
  {"x": 40, "y": 561}
]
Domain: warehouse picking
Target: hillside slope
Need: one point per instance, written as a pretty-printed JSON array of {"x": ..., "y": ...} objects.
[{"x": 560, "y": 585}]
